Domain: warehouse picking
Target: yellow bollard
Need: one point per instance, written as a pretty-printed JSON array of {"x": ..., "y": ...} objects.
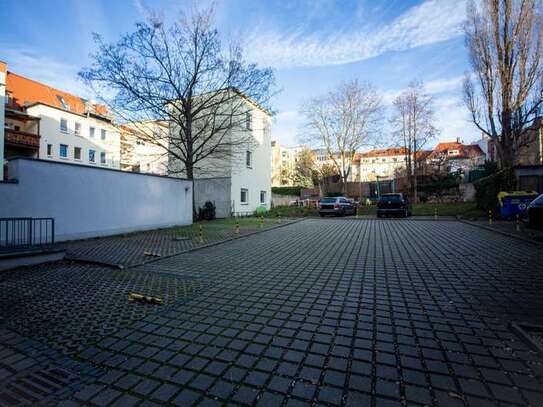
[
  {"x": 518, "y": 223},
  {"x": 435, "y": 213},
  {"x": 261, "y": 221},
  {"x": 201, "y": 234},
  {"x": 490, "y": 217},
  {"x": 237, "y": 227}
]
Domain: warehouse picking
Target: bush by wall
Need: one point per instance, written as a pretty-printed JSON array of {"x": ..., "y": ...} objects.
[
  {"x": 487, "y": 189},
  {"x": 207, "y": 212},
  {"x": 287, "y": 190}
]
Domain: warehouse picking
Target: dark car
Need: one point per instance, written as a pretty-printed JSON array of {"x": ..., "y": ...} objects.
[
  {"x": 393, "y": 205},
  {"x": 534, "y": 213},
  {"x": 338, "y": 206}
]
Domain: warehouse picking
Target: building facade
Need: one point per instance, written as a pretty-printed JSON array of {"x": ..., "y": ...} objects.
[
  {"x": 144, "y": 147},
  {"x": 284, "y": 160},
  {"x": 455, "y": 156},
  {"x": 50, "y": 124},
  {"x": 377, "y": 164},
  {"x": 247, "y": 168}
]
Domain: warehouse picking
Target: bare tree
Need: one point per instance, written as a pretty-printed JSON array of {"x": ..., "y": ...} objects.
[
  {"x": 505, "y": 95},
  {"x": 413, "y": 126},
  {"x": 305, "y": 171},
  {"x": 182, "y": 75},
  {"x": 342, "y": 122}
]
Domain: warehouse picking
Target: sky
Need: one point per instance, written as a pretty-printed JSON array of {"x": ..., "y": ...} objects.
[{"x": 313, "y": 45}]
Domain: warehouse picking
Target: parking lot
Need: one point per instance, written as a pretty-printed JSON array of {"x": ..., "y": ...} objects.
[{"x": 330, "y": 312}]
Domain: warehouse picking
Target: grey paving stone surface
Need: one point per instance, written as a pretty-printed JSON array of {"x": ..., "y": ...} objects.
[
  {"x": 129, "y": 249},
  {"x": 331, "y": 312}
]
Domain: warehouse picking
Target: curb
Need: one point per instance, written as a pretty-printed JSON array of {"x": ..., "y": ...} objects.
[
  {"x": 501, "y": 232},
  {"x": 210, "y": 244}
]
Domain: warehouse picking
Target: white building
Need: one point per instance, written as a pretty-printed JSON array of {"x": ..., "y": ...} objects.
[
  {"x": 3, "y": 71},
  {"x": 50, "y": 124},
  {"x": 284, "y": 161},
  {"x": 246, "y": 170},
  {"x": 374, "y": 164},
  {"x": 144, "y": 147}
]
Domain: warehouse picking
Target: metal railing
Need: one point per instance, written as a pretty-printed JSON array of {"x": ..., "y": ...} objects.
[{"x": 25, "y": 233}]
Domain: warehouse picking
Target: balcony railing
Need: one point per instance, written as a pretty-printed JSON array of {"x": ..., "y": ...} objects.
[
  {"x": 22, "y": 138},
  {"x": 26, "y": 233}
]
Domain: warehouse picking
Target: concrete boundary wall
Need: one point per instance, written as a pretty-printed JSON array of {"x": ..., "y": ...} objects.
[
  {"x": 88, "y": 201},
  {"x": 217, "y": 190}
]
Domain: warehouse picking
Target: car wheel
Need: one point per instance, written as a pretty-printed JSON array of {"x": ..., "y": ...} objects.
[{"x": 322, "y": 215}]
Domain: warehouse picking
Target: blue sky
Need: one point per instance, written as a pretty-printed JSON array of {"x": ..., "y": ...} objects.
[{"x": 313, "y": 46}]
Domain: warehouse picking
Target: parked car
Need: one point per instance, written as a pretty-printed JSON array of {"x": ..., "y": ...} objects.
[
  {"x": 338, "y": 206},
  {"x": 393, "y": 205},
  {"x": 534, "y": 213}
]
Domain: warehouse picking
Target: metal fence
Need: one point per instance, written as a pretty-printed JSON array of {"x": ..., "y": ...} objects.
[{"x": 24, "y": 233}]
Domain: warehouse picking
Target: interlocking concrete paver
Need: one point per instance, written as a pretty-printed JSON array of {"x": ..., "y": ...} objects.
[{"x": 329, "y": 312}]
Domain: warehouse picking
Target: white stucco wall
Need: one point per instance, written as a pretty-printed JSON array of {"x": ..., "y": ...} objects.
[
  {"x": 2, "y": 118},
  {"x": 88, "y": 201},
  {"x": 258, "y": 177},
  {"x": 51, "y": 134}
]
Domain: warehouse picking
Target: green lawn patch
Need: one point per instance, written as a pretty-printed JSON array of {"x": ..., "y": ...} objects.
[{"x": 463, "y": 209}]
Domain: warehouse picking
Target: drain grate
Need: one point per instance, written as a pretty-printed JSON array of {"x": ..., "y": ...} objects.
[
  {"x": 531, "y": 334},
  {"x": 37, "y": 386}
]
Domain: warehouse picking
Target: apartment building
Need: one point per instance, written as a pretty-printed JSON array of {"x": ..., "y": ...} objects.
[
  {"x": 246, "y": 172},
  {"x": 284, "y": 161},
  {"x": 47, "y": 123},
  {"x": 377, "y": 164},
  {"x": 144, "y": 147}
]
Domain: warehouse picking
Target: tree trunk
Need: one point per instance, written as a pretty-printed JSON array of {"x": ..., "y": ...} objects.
[{"x": 189, "y": 167}]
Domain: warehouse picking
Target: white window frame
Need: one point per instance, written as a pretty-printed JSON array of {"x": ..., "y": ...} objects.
[
  {"x": 104, "y": 156},
  {"x": 80, "y": 153},
  {"x": 77, "y": 129},
  {"x": 92, "y": 132},
  {"x": 248, "y": 120},
  {"x": 103, "y": 134},
  {"x": 242, "y": 202},
  {"x": 60, "y": 151},
  {"x": 249, "y": 159},
  {"x": 49, "y": 150},
  {"x": 263, "y": 194},
  {"x": 94, "y": 156},
  {"x": 65, "y": 130}
]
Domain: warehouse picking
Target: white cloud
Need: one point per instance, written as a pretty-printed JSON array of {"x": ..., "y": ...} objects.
[
  {"x": 428, "y": 23},
  {"x": 41, "y": 68}
]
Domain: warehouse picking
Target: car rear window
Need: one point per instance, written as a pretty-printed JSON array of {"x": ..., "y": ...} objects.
[
  {"x": 395, "y": 197},
  {"x": 328, "y": 200}
]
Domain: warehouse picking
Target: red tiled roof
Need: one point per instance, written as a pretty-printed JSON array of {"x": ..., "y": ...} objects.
[
  {"x": 464, "y": 151},
  {"x": 24, "y": 91},
  {"x": 388, "y": 152}
]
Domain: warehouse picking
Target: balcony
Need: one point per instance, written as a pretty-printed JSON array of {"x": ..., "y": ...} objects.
[{"x": 21, "y": 139}]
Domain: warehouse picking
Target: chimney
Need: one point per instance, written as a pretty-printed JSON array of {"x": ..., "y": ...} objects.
[{"x": 3, "y": 74}]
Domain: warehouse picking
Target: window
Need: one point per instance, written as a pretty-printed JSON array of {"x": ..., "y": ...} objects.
[
  {"x": 249, "y": 159},
  {"x": 77, "y": 129},
  {"x": 102, "y": 157},
  {"x": 77, "y": 153},
  {"x": 248, "y": 121},
  {"x": 263, "y": 197},
  {"x": 103, "y": 134},
  {"x": 63, "y": 102},
  {"x": 92, "y": 156},
  {"x": 63, "y": 150},
  {"x": 64, "y": 125},
  {"x": 92, "y": 130},
  {"x": 244, "y": 198},
  {"x": 49, "y": 150}
]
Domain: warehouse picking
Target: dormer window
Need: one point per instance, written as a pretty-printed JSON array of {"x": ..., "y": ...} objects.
[{"x": 65, "y": 105}]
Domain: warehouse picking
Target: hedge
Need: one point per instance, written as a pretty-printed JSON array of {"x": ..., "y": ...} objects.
[
  {"x": 287, "y": 190},
  {"x": 487, "y": 189}
]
